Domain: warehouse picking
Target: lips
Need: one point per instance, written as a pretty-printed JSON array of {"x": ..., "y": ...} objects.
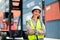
[{"x": 37, "y": 14}]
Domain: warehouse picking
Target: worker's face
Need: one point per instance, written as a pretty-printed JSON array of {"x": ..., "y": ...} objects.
[{"x": 36, "y": 12}]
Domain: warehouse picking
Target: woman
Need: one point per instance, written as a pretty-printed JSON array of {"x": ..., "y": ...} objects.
[{"x": 35, "y": 28}]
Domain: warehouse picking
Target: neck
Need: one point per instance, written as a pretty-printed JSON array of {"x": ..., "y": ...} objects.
[{"x": 34, "y": 17}]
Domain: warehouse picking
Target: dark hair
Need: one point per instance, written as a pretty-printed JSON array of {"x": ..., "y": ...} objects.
[{"x": 36, "y": 9}]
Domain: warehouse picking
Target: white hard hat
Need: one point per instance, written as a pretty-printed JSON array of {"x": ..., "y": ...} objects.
[{"x": 36, "y": 7}]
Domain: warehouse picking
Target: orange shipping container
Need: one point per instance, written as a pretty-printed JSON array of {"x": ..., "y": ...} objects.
[{"x": 52, "y": 12}]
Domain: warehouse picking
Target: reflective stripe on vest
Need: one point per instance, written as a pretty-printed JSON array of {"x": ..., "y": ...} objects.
[{"x": 38, "y": 27}]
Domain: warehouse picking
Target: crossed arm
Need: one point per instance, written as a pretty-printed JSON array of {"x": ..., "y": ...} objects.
[{"x": 34, "y": 31}]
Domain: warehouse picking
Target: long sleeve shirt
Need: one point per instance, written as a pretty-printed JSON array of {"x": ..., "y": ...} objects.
[{"x": 31, "y": 31}]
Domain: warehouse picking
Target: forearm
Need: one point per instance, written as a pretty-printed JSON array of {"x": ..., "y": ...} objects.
[
  {"x": 41, "y": 32},
  {"x": 30, "y": 31}
]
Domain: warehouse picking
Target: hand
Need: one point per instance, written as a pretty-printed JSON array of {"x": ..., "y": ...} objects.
[
  {"x": 41, "y": 32},
  {"x": 31, "y": 31},
  {"x": 35, "y": 31}
]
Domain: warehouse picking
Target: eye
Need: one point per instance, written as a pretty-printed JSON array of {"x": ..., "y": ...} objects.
[{"x": 37, "y": 11}]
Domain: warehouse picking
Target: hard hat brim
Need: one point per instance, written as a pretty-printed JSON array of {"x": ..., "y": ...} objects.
[{"x": 36, "y": 9}]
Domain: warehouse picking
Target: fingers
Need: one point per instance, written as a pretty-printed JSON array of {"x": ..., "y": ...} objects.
[{"x": 40, "y": 32}]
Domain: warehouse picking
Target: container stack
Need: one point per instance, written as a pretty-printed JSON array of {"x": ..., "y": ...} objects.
[{"x": 52, "y": 18}]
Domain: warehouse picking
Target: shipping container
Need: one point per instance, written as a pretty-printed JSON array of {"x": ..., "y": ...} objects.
[
  {"x": 47, "y": 2},
  {"x": 52, "y": 19},
  {"x": 52, "y": 12},
  {"x": 53, "y": 29}
]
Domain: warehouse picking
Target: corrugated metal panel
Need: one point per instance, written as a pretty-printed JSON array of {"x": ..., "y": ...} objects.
[
  {"x": 29, "y": 4},
  {"x": 47, "y": 2},
  {"x": 52, "y": 12},
  {"x": 53, "y": 29},
  {"x": 16, "y": 13}
]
